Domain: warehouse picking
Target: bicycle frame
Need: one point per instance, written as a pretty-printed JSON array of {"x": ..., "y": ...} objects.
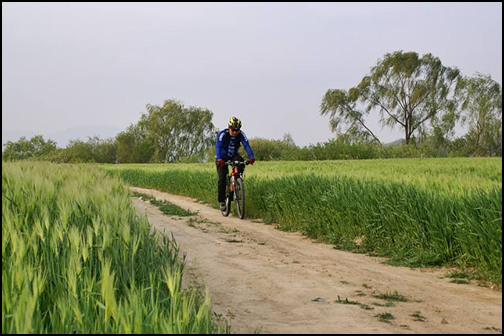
[
  {"x": 235, "y": 174},
  {"x": 235, "y": 189}
]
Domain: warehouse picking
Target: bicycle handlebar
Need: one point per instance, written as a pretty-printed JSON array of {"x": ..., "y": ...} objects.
[{"x": 236, "y": 163}]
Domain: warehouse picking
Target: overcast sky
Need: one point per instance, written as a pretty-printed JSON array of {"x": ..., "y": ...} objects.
[{"x": 66, "y": 65}]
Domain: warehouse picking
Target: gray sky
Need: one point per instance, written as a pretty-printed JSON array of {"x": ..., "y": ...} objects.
[{"x": 76, "y": 64}]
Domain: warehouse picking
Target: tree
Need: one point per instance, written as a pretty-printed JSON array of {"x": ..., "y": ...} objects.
[
  {"x": 270, "y": 149},
  {"x": 134, "y": 145},
  {"x": 104, "y": 150},
  {"x": 341, "y": 105},
  {"x": 25, "y": 149},
  {"x": 79, "y": 151},
  {"x": 481, "y": 99},
  {"x": 287, "y": 138},
  {"x": 177, "y": 131},
  {"x": 408, "y": 91}
]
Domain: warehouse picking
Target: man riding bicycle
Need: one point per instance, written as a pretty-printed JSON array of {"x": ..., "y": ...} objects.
[{"x": 226, "y": 148}]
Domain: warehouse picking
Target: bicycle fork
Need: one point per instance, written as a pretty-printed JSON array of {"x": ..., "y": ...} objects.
[{"x": 231, "y": 188}]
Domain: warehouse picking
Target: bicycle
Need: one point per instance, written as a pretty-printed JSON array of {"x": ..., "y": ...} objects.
[{"x": 235, "y": 190}]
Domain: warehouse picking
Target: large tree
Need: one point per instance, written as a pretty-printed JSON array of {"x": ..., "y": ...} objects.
[
  {"x": 178, "y": 131},
  {"x": 408, "y": 91},
  {"x": 481, "y": 99}
]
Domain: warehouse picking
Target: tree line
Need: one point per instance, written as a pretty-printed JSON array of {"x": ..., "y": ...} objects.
[{"x": 419, "y": 95}]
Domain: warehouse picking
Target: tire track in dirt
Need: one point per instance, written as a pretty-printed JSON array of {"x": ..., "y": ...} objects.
[{"x": 263, "y": 279}]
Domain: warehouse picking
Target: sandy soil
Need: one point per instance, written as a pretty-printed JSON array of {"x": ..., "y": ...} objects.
[{"x": 265, "y": 280}]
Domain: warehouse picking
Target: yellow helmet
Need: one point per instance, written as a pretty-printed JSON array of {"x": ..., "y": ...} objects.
[{"x": 234, "y": 123}]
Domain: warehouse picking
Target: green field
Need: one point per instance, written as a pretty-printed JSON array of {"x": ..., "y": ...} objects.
[
  {"x": 77, "y": 259},
  {"x": 447, "y": 174},
  {"x": 418, "y": 212}
]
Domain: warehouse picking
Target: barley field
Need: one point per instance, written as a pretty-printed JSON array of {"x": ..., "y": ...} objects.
[
  {"x": 417, "y": 212},
  {"x": 76, "y": 258}
]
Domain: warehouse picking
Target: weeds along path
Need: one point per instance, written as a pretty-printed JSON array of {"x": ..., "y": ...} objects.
[{"x": 262, "y": 279}]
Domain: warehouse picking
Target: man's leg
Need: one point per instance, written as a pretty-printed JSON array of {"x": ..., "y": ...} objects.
[{"x": 221, "y": 185}]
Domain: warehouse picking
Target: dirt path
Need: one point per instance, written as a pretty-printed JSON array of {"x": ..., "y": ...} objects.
[{"x": 263, "y": 279}]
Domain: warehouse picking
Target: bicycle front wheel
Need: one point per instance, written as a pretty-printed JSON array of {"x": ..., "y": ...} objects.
[
  {"x": 226, "y": 211},
  {"x": 240, "y": 197}
]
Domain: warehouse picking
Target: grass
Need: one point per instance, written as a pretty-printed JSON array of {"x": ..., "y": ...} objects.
[
  {"x": 459, "y": 277},
  {"x": 391, "y": 297},
  {"x": 166, "y": 207},
  {"x": 346, "y": 301},
  {"x": 385, "y": 317},
  {"x": 417, "y": 316},
  {"x": 460, "y": 281},
  {"x": 388, "y": 304},
  {"x": 350, "y": 302}
]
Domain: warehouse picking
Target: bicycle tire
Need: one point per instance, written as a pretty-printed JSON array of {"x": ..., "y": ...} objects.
[
  {"x": 226, "y": 212},
  {"x": 240, "y": 197}
]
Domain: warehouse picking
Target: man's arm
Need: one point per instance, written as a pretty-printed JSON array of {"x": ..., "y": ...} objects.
[
  {"x": 218, "y": 145},
  {"x": 246, "y": 145}
]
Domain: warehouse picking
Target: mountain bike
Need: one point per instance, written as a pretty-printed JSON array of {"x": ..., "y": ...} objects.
[{"x": 235, "y": 190}]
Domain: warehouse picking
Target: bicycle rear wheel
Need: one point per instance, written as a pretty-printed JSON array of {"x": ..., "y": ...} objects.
[{"x": 240, "y": 197}]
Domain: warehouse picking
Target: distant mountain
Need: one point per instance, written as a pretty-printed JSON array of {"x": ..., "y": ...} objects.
[
  {"x": 397, "y": 142},
  {"x": 63, "y": 137}
]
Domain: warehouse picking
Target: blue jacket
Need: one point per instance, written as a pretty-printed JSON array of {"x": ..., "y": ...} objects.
[{"x": 227, "y": 146}]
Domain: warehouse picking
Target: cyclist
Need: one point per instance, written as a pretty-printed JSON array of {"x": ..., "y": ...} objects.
[{"x": 226, "y": 148}]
